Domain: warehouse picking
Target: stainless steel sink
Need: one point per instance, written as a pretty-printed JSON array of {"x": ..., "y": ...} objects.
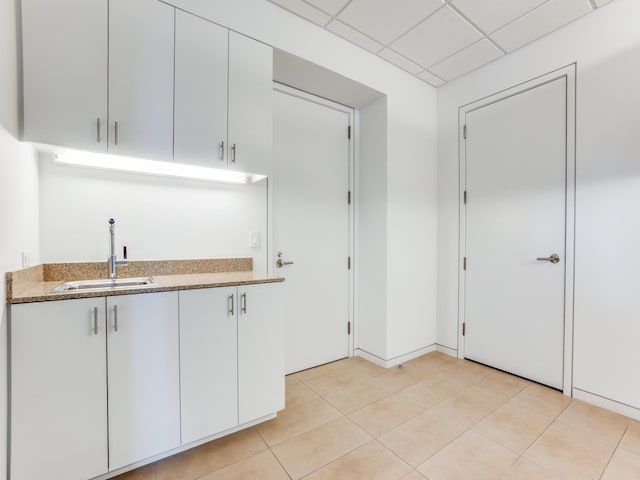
[{"x": 106, "y": 284}]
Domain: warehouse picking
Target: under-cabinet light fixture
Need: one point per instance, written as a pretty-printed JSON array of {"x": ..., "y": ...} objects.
[{"x": 151, "y": 167}]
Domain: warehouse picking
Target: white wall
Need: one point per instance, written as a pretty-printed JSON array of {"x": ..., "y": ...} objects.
[
  {"x": 411, "y": 156},
  {"x": 606, "y": 47},
  {"x": 412, "y": 226},
  {"x": 157, "y": 218},
  {"x": 18, "y": 193},
  {"x": 371, "y": 230}
]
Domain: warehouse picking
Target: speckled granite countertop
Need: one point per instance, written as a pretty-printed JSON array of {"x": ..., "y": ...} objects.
[{"x": 35, "y": 284}]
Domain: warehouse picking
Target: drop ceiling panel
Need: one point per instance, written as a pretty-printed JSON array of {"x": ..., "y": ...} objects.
[
  {"x": 490, "y": 15},
  {"x": 348, "y": 33},
  {"x": 439, "y": 40},
  {"x": 304, "y": 10},
  {"x": 330, "y": 6},
  {"x": 400, "y": 61},
  {"x": 386, "y": 20},
  {"x": 439, "y": 36},
  {"x": 544, "y": 19},
  {"x": 431, "y": 79},
  {"x": 478, "y": 54}
]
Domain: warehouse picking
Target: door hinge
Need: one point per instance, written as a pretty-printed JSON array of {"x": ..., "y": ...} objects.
[
  {"x": 348, "y": 328},
  {"x": 349, "y": 263},
  {"x": 349, "y": 132},
  {"x": 349, "y": 197},
  {"x": 464, "y": 263},
  {"x": 464, "y": 328},
  {"x": 464, "y": 132},
  {"x": 465, "y": 197}
]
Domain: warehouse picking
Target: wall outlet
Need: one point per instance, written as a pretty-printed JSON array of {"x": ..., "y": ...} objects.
[
  {"x": 26, "y": 259},
  {"x": 255, "y": 240}
]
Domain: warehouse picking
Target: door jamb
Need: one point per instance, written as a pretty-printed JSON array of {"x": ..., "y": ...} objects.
[
  {"x": 568, "y": 72},
  {"x": 282, "y": 88}
]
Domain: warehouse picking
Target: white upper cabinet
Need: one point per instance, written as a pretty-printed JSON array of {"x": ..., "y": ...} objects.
[
  {"x": 65, "y": 72},
  {"x": 141, "y": 60},
  {"x": 202, "y": 55},
  {"x": 142, "y": 79},
  {"x": 58, "y": 390},
  {"x": 143, "y": 378},
  {"x": 250, "y": 104}
]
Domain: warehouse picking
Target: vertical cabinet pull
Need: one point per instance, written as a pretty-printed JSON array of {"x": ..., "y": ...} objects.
[
  {"x": 231, "y": 305},
  {"x": 221, "y": 145},
  {"x": 115, "y": 137},
  {"x": 98, "y": 137},
  {"x": 243, "y": 299},
  {"x": 233, "y": 153},
  {"x": 115, "y": 318},
  {"x": 95, "y": 320}
]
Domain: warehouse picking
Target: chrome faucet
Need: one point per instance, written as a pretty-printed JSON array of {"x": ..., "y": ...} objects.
[{"x": 113, "y": 261}]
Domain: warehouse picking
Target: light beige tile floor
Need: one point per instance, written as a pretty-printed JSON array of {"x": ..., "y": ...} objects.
[{"x": 438, "y": 418}]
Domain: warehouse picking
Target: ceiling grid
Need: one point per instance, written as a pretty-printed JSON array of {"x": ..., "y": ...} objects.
[{"x": 440, "y": 40}]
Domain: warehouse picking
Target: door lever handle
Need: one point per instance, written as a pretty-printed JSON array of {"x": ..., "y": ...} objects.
[
  {"x": 281, "y": 263},
  {"x": 555, "y": 258}
]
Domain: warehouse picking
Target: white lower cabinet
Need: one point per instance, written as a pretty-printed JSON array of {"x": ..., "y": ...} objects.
[
  {"x": 209, "y": 370},
  {"x": 58, "y": 390},
  {"x": 144, "y": 376},
  {"x": 218, "y": 326},
  {"x": 99, "y": 384},
  {"x": 260, "y": 351}
]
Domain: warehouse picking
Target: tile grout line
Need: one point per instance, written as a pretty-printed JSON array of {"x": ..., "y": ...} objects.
[
  {"x": 614, "y": 451},
  {"x": 280, "y": 463},
  {"x": 419, "y": 367},
  {"x": 538, "y": 438}
]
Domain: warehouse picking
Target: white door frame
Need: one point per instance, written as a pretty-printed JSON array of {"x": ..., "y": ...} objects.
[
  {"x": 279, "y": 87},
  {"x": 568, "y": 72}
]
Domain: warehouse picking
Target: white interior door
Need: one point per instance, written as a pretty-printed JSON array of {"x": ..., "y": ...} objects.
[
  {"x": 311, "y": 227},
  {"x": 516, "y": 163}
]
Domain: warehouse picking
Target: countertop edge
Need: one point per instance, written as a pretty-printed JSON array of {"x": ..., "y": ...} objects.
[{"x": 133, "y": 291}]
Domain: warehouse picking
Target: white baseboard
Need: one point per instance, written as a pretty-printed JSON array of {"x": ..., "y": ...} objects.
[
  {"x": 392, "y": 362},
  {"x": 607, "y": 403},
  {"x": 452, "y": 352}
]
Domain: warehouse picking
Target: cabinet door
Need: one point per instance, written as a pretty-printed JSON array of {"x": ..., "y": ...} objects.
[
  {"x": 58, "y": 390},
  {"x": 144, "y": 386},
  {"x": 202, "y": 52},
  {"x": 141, "y": 78},
  {"x": 65, "y": 72},
  {"x": 208, "y": 362},
  {"x": 260, "y": 351},
  {"x": 250, "y": 104}
]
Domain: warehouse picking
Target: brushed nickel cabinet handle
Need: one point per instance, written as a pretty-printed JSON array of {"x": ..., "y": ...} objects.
[
  {"x": 221, "y": 150},
  {"x": 244, "y": 303},
  {"x": 98, "y": 137},
  {"x": 95, "y": 320},
  {"x": 233, "y": 153},
  {"x": 115, "y": 138},
  {"x": 231, "y": 304},
  {"x": 115, "y": 318}
]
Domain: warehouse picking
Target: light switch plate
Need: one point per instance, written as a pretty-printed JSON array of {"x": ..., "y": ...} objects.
[
  {"x": 255, "y": 240},
  {"x": 26, "y": 259}
]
